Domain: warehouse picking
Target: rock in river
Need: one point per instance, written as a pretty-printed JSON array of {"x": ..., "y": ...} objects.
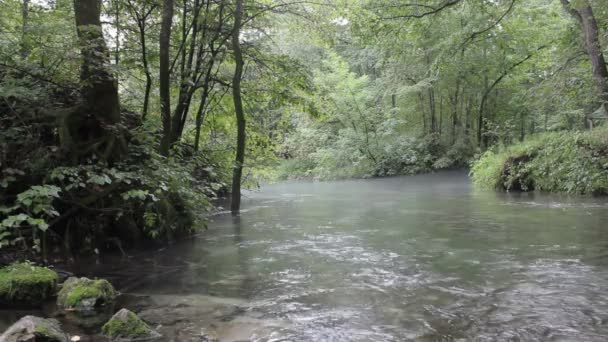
[
  {"x": 126, "y": 326},
  {"x": 83, "y": 294},
  {"x": 34, "y": 329}
]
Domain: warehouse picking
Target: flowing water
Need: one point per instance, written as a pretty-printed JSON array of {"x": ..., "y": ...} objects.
[{"x": 420, "y": 258}]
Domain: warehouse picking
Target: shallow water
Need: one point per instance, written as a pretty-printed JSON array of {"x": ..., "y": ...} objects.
[{"x": 421, "y": 258}]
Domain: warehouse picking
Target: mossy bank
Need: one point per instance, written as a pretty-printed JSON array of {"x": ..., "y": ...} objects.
[{"x": 567, "y": 162}]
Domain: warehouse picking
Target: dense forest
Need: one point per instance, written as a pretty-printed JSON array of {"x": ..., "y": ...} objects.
[
  {"x": 126, "y": 127},
  {"x": 124, "y": 120}
]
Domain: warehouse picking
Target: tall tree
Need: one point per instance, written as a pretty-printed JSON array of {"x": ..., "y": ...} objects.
[
  {"x": 235, "y": 204},
  {"x": 94, "y": 129},
  {"x": 164, "y": 79},
  {"x": 142, "y": 15},
  {"x": 583, "y": 13}
]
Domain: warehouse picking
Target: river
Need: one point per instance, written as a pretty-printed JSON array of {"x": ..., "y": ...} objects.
[{"x": 419, "y": 258}]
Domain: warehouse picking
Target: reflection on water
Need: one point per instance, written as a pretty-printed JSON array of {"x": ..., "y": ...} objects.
[{"x": 422, "y": 258}]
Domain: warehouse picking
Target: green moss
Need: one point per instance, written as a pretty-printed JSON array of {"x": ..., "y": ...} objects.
[
  {"x": 76, "y": 290},
  {"x": 26, "y": 283},
  {"x": 81, "y": 292},
  {"x": 43, "y": 330},
  {"x": 569, "y": 162},
  {"x": 128, "y": 325}
]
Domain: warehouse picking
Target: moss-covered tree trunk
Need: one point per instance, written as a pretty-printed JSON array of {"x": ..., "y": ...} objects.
[{"x": 94, "y": 128}]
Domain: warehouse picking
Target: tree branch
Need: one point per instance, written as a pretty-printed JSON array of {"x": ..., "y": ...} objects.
[
  {"x": 574, "y": 13},
  {"x": 430, "y": 10},
  {"x": 477, "y": 33}
]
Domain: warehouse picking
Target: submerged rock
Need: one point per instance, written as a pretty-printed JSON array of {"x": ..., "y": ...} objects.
[
  {"x": 169, "y": 310},
  {"x": 85, "y": 295},
  {"x": 25, "y": 283},
  {"x": 89, "y": 319},
  {"x": 34, "y": 329},
  {"x": 126, "y": 326},
  {"x": 202, "y": 318}
]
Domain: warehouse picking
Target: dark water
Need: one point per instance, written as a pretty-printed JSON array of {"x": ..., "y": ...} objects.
[{"x": 422, "y": 258}]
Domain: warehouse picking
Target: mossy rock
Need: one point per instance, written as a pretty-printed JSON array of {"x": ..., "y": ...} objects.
[
  {"x": 83, "y": 294},
  {"x": 24, "y": 283},
  {"x": 34, "y": 329},
  {"x": 127, "y": 326}
]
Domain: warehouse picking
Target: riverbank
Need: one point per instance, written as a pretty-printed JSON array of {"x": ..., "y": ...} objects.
[
  {"x": 568, "y": 162},
  {"x": 398, "y": 156}
]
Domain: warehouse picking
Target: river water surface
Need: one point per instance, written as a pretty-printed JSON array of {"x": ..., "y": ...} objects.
[{"x": 420, "y": 258}]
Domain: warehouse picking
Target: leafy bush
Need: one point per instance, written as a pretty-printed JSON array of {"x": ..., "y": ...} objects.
[
  {"x": 403, "y": 156},
  {"x": 570, "y": 162},
  {"x": 46, "y": 196}
]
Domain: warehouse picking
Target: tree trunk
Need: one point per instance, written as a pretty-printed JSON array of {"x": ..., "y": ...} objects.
[
  {"x": 144, "y": 57},
  {"x": 184, "y": 87},
  {"x": 440, "y": 127},
  {"x": 432, "y": 111},
  {"x": 482, "y": 141},
  {"x": 598, "y": 62},
  {"x": 522, "y": 127},
  {"x": 454, "y": 105},
  {"x": 164, "y": 80},
  {"x": 235, "y": 204},
  {"x": 421, "y": 109},
  {"x": 204, "y": 97},
  {"x": 93, "y": 129},
  {"x": 25, "y": 14},
  {"x": 117, "y": 38}
]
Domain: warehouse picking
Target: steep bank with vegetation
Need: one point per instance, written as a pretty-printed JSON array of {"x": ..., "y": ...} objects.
[{"x": 570, "y": 162}]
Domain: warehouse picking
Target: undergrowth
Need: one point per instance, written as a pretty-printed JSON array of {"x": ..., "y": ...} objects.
[{"x": 568, "y": 162}]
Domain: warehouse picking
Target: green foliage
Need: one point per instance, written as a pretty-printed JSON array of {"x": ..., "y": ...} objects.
[
  {"x": 163, "y": 196},
  {"x": 32, "y": 208},
  {"x": 26, "y": 283},
  {"x": 570, "y": 162},
  {"x": 351, "y": 136},
  {"x": 372, "y": 89}
]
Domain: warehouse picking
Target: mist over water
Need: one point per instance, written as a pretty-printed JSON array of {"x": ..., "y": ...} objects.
[{"x": 421, "y": 258}]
